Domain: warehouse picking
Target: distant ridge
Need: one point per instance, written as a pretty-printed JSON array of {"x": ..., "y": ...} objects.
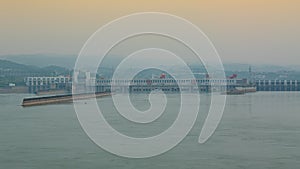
[
  {"x": 10, "y": 66},
  {"x": 68, "y": 61},
  {"x": 43, "y": 60}
]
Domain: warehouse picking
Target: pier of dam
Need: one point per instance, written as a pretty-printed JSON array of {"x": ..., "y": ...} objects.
[{"x": 278, "y": 85}]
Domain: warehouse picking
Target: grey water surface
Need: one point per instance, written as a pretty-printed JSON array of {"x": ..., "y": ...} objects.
[{"x": 258, "y": 130}]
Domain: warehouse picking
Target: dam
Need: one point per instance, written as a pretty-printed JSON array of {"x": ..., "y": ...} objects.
[{"x": 92, "y": 84}]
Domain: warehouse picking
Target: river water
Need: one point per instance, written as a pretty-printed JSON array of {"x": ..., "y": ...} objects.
[{"x": 258, "y": 130}]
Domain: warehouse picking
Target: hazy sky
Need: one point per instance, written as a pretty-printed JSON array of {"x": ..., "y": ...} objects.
[{"x": 249, "y": 31}]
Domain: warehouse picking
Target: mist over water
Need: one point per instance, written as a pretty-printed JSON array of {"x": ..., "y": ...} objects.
[{"x": 258, "y": 130}]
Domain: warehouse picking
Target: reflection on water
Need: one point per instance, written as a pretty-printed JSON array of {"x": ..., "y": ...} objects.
[{"x": 259, "y": 130}]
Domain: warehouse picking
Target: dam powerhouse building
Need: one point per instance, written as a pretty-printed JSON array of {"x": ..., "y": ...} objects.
[{"x": 90, "y": 83}]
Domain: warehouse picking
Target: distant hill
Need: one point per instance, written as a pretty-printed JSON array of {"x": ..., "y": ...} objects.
[
  {"x": 258, "y": 67},
  {"x": 6, "y": 65},
  {"x": 9, "y": 68},
  {"x": 43, "y": 60},
  {"x": 54, "y": 68},
  {"x": 68, "y": 61}
]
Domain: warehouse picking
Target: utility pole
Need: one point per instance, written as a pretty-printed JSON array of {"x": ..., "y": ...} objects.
[{"x": 250, "y": 76}]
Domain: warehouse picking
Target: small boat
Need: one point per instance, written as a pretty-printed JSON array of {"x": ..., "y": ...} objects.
[
  {"x": 234, "y": 92},
  {"x": 240, "y": 90},
  {"x": 248, "y": 89}
]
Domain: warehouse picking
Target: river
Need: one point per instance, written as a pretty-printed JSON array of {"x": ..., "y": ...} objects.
[{"x": 258, "y": 130}]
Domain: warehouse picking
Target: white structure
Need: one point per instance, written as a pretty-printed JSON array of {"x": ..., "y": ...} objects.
[
  {"x": 11, "y": 84},
  {"x": 40, "y": 81},
  {"x": 36, "y": 84}
]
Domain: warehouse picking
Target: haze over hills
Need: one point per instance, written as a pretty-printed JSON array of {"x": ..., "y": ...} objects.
[
  {"x": 68, "y": 61},
  {"x": 42, "y": 60},
  {"x": 6, "y": 65}
]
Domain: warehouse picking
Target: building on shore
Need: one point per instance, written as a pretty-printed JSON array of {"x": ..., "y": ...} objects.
[{"x": 36, "y": 84}]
